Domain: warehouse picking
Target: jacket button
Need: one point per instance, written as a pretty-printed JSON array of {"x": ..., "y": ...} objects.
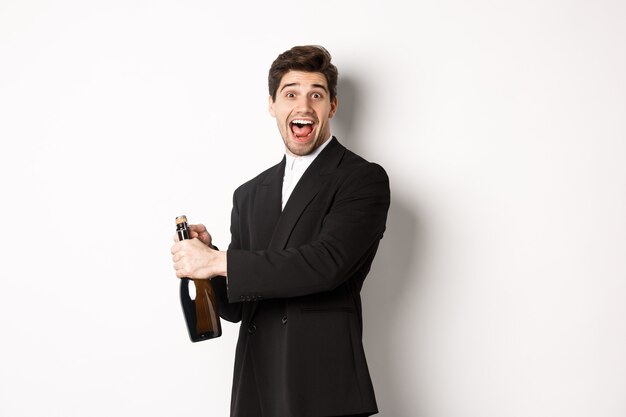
[
  {"x": 284, "y": 320},
  {"x": 252, "y": 328}
]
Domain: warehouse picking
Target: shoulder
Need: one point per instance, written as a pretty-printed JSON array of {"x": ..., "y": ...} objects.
[
  {"x": 357, "y": 168},
  {"x": 354, "y": 178},
  {"x": 266, "y": 177}
]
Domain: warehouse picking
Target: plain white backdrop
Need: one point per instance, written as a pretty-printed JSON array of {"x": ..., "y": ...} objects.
[{"x": 499, "y": 287}]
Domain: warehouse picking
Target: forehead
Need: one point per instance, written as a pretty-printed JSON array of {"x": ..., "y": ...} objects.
[{"x": 303, "y": 79}]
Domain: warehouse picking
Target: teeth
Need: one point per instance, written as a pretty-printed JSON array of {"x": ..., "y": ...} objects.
[{"x": 302, "y": 122}]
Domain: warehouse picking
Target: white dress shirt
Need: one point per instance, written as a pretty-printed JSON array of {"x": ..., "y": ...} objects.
[{"x": 294, "y": 169}]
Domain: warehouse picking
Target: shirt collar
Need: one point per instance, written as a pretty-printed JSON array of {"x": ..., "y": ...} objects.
[{"x": 305, "y": 160}]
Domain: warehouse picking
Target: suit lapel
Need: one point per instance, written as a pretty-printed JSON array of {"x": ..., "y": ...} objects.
[{"x": 309, "y": 185}]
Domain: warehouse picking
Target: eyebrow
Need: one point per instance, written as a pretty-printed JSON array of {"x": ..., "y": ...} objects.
[{"x": 323, "y": 87}]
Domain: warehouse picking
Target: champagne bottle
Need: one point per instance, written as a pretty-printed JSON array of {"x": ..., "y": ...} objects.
[{"x": 201, "y": 313}]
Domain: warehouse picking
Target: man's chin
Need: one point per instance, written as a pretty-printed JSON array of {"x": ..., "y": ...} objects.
[
  {"x": 301, "y": 148},
  {"x": 300, "y": 151}
]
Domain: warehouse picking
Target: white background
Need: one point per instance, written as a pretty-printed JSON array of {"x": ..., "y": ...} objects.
[{"x": 500, "y": 286}]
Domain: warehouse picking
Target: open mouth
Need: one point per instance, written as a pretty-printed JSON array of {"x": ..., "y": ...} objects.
[{"x": 301, "y": 128}]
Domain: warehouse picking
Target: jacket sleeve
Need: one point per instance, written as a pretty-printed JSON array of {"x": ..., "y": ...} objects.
[
  {"x": 229, "y": 311},
  {"x": 348, "y": 238}
]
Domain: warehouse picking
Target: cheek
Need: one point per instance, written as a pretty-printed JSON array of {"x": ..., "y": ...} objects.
[{"x": 281, "y": 113}]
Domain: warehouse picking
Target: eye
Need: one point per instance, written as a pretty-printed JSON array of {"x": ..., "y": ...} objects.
[
  {"x": 290, "y": 95},
  {"x": 316, "y": 95}
]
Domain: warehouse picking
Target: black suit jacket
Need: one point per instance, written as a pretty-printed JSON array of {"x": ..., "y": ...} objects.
[{"x": 294, "y": 281}]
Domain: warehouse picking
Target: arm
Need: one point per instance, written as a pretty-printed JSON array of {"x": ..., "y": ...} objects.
[
  {"x": 349, "y": 234},
  {"x": 197, "y": 258}
]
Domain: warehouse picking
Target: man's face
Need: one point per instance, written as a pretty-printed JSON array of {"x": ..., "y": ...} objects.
[{"x": 302, "y": 110}]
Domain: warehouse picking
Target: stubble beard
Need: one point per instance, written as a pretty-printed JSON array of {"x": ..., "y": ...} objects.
[
  {"x": 297, "y": 149},
  {"x": 302, "y": 151}
]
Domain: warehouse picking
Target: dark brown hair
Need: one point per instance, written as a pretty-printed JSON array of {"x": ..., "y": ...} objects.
[{"x": 309, "y": 58}]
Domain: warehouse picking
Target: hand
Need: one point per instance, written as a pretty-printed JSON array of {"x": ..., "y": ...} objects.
[
  {"x": 198, "y": 231},
  {"x": 194, "y": 259}
]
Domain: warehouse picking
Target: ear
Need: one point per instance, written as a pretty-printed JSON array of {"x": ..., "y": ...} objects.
[
  {"x": 270, "y": 106},
  {"x": 334, "y": 103}
]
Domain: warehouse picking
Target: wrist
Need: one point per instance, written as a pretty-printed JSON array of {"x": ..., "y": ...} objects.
[{"x": 221, "y": 264}]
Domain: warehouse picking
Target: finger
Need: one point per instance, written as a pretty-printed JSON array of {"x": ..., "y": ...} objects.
[{"x": 199, "y": 228}]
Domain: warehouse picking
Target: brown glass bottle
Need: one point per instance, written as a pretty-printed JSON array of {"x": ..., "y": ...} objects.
[{"x": 201, "y": 313}]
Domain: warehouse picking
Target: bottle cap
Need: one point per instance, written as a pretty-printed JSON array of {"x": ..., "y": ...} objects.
[{"x": 181, "y": 220}]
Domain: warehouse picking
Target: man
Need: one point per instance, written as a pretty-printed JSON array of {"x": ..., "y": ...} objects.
[{"x": 304, "y": 234}]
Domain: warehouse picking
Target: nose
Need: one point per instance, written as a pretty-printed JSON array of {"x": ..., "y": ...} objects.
[{"x": 303, "y": 104}]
